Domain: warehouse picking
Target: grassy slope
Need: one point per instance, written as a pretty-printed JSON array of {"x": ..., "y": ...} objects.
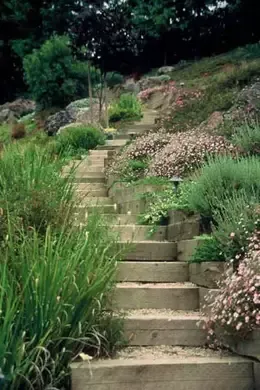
[{"x": 219, "y": 79}]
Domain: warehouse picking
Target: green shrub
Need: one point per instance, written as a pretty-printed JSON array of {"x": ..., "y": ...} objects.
[
  {"x": 32, "y": 190},
  {"x": 161, "y": 202},
  {"x": 53, "y": 75},
  {"x": 127, "y": 108},
  {"x": 220, "y": 178},
  {"x": 247, "y": 138},
  {"x": 209, "y": 249},
  {"x": 78, "y": 139},
  {"x": 53, "y": 297},
  {"x": 113, "y": 79}
]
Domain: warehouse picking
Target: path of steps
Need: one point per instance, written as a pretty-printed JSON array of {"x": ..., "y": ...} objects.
[{"x": 166, "y": 347}]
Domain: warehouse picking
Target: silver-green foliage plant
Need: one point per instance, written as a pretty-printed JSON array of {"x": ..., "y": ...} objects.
[
  {"x": 247, "y": 138},
  {"x": 220, "y": 178},
  {"x": 54, "y": 290}
]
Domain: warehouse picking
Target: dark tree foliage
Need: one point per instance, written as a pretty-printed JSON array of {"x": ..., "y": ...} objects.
[{"x": 123, "y": 34}]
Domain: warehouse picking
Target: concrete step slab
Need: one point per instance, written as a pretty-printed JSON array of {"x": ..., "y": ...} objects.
[
  {"x": 91, "y": 193},
  {"x": 82, "y": 212},
  {"x": 140, "y": 233},
  {"x": 90, "y": 187},
  {"x": 151, "y": 251},
  {"x": 174, "y": 296},
  {"x": 163, "y": 327},
  {"x": 165, "y": 368},
  {"x": 89, "y": 178},
  {"x": 161, "y": 272},
  {"x": 101, "y": 200},
  {"x": 121, "y": 219}
]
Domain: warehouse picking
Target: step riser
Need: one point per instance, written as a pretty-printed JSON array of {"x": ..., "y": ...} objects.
[
  {"x": 181, "y": 375},
  {"x": 81, "y": 213},
  {"x": 90, "y": 187},
  {"x": 167, "y": 331},
  {"x": 89, "y": 179},
  {"x": 155, "y": 298},
  {"x": 92, "y": 201},
  {"x": 93, "y": 193},
  {"x": 152, "y": 251},
  {"x": 140, "y": 233},
  {"x": 152, "y": 272}
]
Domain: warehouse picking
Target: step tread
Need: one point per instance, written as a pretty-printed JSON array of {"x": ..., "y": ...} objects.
[
  {"x": 158, "y": 355},
  {"x": 185, "y": 285},
  {"x": 147, "y": 314}
]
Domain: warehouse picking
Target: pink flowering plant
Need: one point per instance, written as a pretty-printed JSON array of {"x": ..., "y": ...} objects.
[
  {"x": 142, "y": 148},
  {"x": 186, "y": 151},
  {"x": 235, "y": 312}
]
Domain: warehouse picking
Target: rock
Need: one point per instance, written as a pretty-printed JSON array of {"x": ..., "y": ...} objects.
[
  {"x": 150, "y": 82},
  {"x": 246, "y": 105},
  {"x": 16, "y": 109},
  {"x": 165, "y": 69},
  {"x": 81, "y": 103},
  {"x": 206, "y": 274},
  {"x": 56, "y": 121},
  {"x": 6, "y": 115},
  {"x": 131, "y": 86}
]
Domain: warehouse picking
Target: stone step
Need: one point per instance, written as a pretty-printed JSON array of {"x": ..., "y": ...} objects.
[
  {"x": 82, "y": 211},
  {"x": 91, "y": 177},
  {"x": 163, "y": 272},
  {"x": 100, "y": 200},
  {"x": 174, "y": 296},
  {"x": 112, "y": 144},
  {"x": 91, "y": 193},
  {"x": 90, "y": 187},
  {"x": 165, "y": 368},
  {"x": 164, "y": 327},
  {"x": 151, "y": 251},
  {"x": 90, "y": 168},
  {"x": 121, "y": 219},
  {"x": 96, "y": 153},
  {"x": 140, "y": 233}
]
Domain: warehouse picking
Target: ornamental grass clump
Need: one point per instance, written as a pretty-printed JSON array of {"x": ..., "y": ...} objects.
[
  {"x": 235, "y": 312},
  {"x": 186, "y": 151},
  {"x": 53, "y": 301}
]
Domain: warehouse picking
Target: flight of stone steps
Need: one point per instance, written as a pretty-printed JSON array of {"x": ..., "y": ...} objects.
[{"x": 166, "y": 347}]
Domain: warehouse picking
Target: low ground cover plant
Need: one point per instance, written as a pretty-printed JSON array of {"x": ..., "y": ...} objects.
[
  {"x": 187, "y": 151},
  {"x": 209, "y": 249}
]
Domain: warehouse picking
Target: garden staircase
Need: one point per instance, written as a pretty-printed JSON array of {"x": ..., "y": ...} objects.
[{"x": 166, "y": 347}]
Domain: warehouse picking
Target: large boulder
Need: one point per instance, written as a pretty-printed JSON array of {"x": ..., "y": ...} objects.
[
  {"x": 16, "y": 109},
  {"x": 247, "y": 104},
  {"x": 56, "y": 121},
  {"x": 153, "y": 81},
  {"x": 165, "y": 70}
]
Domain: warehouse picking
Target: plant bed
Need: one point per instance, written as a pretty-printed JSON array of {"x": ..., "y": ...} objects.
[{"x": 206, "y": 274}]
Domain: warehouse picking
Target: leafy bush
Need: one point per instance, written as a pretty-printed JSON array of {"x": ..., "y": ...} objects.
[
  {"x": 54, "y": 292},
  {"x": 220, "y": 178},
  {"x": 187, "y": 151},
  {"x": 161, "y": 202},
  {"x": 127, "y": 108},
  {"x": 32, "y": 191},
  {"x": 79, "y": 139},
  {"x": 235, "y": 311},
  {"x": 53, "y": 75},
  {"x": 113, "y": 79},
  {"x": 247, "y": 138},
  {"x": 209, "y": 249},
  {"x": 18, "y": 131}
]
